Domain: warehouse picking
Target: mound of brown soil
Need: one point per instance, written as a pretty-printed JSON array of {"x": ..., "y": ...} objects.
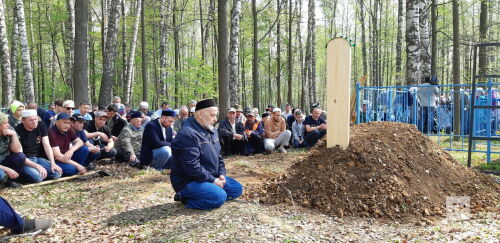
[{"x": 389, "y": 170}]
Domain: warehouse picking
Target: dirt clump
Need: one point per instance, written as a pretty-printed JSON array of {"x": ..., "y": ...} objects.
[{"x": 389, "y": 170}]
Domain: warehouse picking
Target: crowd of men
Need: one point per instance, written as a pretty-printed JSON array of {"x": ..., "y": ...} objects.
[{"x": 66, "y": 140}]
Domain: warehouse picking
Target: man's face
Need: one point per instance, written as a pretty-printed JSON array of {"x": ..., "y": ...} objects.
[
  {"x": 136, "y": 122},
  {"x": 30, "y": 123},
  {"x": 167, "y": 121},
  {"x": 4, "y": 126},
  {"x": 59, "y": 109},
  {"x": 288, "y": 108},
  {"x": 250, "y": 119},
  {"x": 77, "y": 125},
  {"x": 117, "y": 101},
  {"x": 183, "y": 114},
  {"x": 208, "y": 117},
  {"x": 33, "y": 106},
  {"x": 128, "y": 108},
  {"x": 297, "y": 117},
  {"x": 231, "y": 115},
  {"x": 63, "y": 124},
  {"x": 164, "y": 107},
  {"x": 100, "y": 121},
  {"x": 238, "y": 114},
  {"x": 111, "y": 114},
  {"x": 84, "y": 109},
  {"x": 69, "y": 110},
  {"x": 316, "y": 113},
  {"x": 277, "y": 116}
]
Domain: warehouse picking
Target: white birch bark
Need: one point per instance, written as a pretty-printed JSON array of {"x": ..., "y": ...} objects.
[
  {"x": 412, "y": 43},
  {"x": 425, "y": 55},
  {"x": 131, "y": 56},
  {"x": 5, "y": 59},
  {"x": 29, "y": 91},
  {"x": 234, "y": 52}
]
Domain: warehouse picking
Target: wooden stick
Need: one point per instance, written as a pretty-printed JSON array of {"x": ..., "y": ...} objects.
[{"x": 61, "y": 179}]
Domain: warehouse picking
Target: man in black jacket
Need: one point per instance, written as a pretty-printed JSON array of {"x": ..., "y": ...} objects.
[
  {"x": 115, "y": 122},
  {"x": 232, "y": 135}
]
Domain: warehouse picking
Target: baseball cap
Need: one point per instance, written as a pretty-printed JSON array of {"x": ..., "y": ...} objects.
[{"x": 76, "y": 117}]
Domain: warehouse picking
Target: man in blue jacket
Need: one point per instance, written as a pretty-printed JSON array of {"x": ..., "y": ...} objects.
[
  {"x": 198, "y": 173},
  {"x": 156, "y": 149}
]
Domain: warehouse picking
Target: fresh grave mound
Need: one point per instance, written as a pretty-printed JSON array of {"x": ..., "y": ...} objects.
[{"x": 389, "y": 170}]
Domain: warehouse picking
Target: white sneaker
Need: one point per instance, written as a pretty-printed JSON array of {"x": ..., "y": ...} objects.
[{"x": 282, "y": 150}]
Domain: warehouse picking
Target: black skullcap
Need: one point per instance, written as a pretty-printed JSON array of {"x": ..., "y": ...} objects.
[
  {"x": 265, "y": 114},
  {"x": 112, "y": 108},
  {"x": 168, "y": 112},
  {"x": 205, "y": 104},
  {"x": 135, "y": 114}
]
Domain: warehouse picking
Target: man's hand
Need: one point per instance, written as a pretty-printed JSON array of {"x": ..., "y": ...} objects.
[
  {"x": 11, "y": 173},
  {"x": 43, "y": 172},
  {"x": 237, "y": 136},
  {"x": 8, "y": 132},
  {"x": 81, "y": 169},
  {"x": 103, "y": 136},
  {"x": 94, "y": 149},
  {"x": 132, "y": 158},
  {"x": 301, "y": 141},
  {"x": 223, "y": 179},
  {"x": 54, "y": 167},
  {"x": 322, "y": 126},
  {"x": 219, "y": 183},
  {"x": 114, "y": 138}
]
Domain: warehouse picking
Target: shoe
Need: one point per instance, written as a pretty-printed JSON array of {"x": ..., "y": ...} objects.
[
  {"x": 32, "y": 225},
  {"x": 267, "y": 152},
  {"x": 13, "y": 184},
  {"x": 282, "y": 150},
  {"x": 178, "y": 198}
]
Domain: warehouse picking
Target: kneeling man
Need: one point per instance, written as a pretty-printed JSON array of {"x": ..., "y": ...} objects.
[
  {"x": 198, "y": 173},
  {"x": 156, "y": 149}
]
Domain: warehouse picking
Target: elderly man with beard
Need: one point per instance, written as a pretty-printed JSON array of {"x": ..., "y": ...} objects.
[
  {"x": 128, "y": 144},
  {"x": 198, "y": 174}
]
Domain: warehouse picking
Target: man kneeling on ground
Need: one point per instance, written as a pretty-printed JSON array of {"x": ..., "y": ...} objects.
[
  {"x": 156, "y": 148},
  {"x": 129, "y": 142},
  {"x": 69, "y": 152},
  {"x": 198, "y": 174}
]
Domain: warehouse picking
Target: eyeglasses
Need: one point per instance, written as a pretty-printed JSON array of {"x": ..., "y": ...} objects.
[{"x": 69, "y": 108}]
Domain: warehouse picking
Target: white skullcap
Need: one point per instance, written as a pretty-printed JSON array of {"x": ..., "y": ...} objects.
[
  {"x": 143, "y": 105},
  {"x": 276, "y": 110},
  {"x": 29, "y": 112}
]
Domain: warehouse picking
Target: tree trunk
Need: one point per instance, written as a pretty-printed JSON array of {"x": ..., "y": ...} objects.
[
  {"x": 106, "y": 92},
  {"x": 483, "y": 36},
  {"x": 434, "y": 57},
  {"x": 255, "y": 60},
  {"x": 234, "y": 46},
  {"x": 311, "y": 51},
  {"x": 278, "y": 56},
  {"x": 14, "y": 57},
  {"x": 124, "y": 46},
  {"x": 202, "y": 32},
  {"x": 303, "y": 68},
  {"x": 80, "y": 70},
  {"x": 374, "y": 44},
  {"x": 144, "y": 57},
  {"x": 176, "y": 53},
  {"x": 131, "y": 57},
  {"x": 290, "y": 69},
  {"x": 222, "y": 56},
  {"x": 41, "y": 63},
  {"x": 363, "y": 38},
  {"x": 69, "y": 35},
  {"x": 165, "y": 9},
  {"x": 456, "y": 65},
  {"x": 399, "y": 41},
  {"x": 29, "y": 93},
  {"x": 425, "y": 55},
  {"x": 412, "y": 43},
  {"x": 7, "y": 81}
]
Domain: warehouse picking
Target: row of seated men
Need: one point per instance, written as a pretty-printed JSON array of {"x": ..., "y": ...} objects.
[{"x": 31, "y": 151}]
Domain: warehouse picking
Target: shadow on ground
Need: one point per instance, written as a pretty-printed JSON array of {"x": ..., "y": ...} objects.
[{"x": 144, "y": 215}]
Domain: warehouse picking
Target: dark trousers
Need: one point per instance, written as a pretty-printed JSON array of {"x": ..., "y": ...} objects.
[
  {"x": 124, "y": 156},
  {"x": 232, "y": 146},
  {"x": 15, "y": 161},
  {"x": 257, "y": 144},
  {"x": 312, "y": 138},
  {"x": 79, "y": 156},
  {"x": 9, "y": 218}
]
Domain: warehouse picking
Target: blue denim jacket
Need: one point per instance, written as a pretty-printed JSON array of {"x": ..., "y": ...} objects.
[{"x": 195, "y": 155}]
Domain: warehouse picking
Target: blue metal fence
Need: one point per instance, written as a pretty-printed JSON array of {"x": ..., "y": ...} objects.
[{"x": 431, "y": 108}]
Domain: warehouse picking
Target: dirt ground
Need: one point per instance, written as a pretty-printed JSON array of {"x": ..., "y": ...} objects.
[{"x": 137, "y": 205}]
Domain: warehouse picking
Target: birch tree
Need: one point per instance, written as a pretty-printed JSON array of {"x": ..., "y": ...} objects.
[
  {"x": 311, "y": 51},
  {"x": 81, "y": 66},
  {"x": 5, "y": 60},
  {"x": 69, "y": 36},
  {"x": 131, "y": 57},
  {"x": 425, "y": 55},
  {"x": 234, "y": 53},
  {"x": 110, "y": 51},
  {"x": 399, "y": 41},
  {"x": 412, "y": 42},
  {"x": 164, "y": 10},
  {"x": 29, "y": 90}
]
